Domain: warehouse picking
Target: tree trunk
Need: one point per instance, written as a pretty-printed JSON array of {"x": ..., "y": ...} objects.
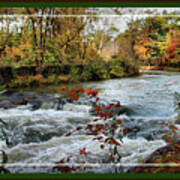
[
  {"x": 132, "y": 43},
  {"x": 33, "y": 28},
  {"x": 41, "y": 35},
  {"x": 52, "y": 33},
  {"x": 84, "y": 50},
  {"x": 46, "y": 29},
  {"x": 34, "y": 34}
]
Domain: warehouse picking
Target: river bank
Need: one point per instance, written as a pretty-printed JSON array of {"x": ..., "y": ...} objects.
[
  {"x": 163, "y": 160},
  {"x": 165, "y": 68},
  {"x": 32, "y": 76}
]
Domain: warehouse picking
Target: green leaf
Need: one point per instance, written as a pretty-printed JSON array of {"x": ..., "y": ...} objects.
[
  {"x": 5, "y": 136},
  {"x": 4, "y": 157},
  {"x": 115, "y": 150},
  {"x": 3, "y": 122},
  {"x": 168, "y": 155},
  {"x": 2, "y": 87},
  {"x": 172, "y": 164}
]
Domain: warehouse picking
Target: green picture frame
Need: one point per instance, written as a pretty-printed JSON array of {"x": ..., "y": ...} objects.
[{"x": 90, "y": 4}]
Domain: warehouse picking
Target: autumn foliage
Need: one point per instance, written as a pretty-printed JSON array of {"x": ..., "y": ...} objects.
[{"x": 103, "y": 132}]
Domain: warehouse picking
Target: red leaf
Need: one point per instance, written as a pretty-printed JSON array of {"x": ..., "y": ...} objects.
[
  {"x": 119, "y": 121},
  {"x": 83, "y": 151},
  {"x": 89, "y": 126},
  {"x": 107, "y": 124},
  {"x": 68, "y": 159},
  {"x": 115, "y": 142},
  {"x": 97, "y": 108},
  {"x": 68, "y": 134},
  {"x": 125, "y": 130},
  {"x": 81, "y": 90},
  {"x": 68, "y": 93},
  {"x": 97, "y": 138},
  {"x": 102, "y": 146},
  {"x": 61, "y": 161},
  {"x": 108, "y": 108},
  {"x": 97, "y": 99},
  {"x": 69, "y": 171},
  {"x": 78, "y": 128},
  {"x": 61, "y": 167},
  {"x": 75, "y": 98},
  {"x": 100, "y": 114},
  {"x": 100, "y": 137},
  {"x": 117, "y": 105},
  {"x": 72, "y": 97},
  {"x": 172, "y": 127},
  {"x": 94, "y": 133},
  {"x": 99, "y": 127},
  {"x": 94, "y": 93},
  {"x": 74, "y": 89}
]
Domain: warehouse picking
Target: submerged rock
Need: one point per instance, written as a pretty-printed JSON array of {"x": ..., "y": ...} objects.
[
  {"x": 6, "y": 104},
  {"x": 36, "y": 104}
]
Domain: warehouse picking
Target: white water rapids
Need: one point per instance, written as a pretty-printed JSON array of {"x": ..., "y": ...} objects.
[{"x": 37, "y": 137}]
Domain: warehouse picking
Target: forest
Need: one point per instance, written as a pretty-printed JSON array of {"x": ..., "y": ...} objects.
[
  {"x": 45, "y": 40},
  {"x": 55, "y": 45}
]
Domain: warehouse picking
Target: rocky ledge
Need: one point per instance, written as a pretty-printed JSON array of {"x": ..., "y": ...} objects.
[
  {"x": 167, "y": 160},
  {"x": 56, "y": 101}
]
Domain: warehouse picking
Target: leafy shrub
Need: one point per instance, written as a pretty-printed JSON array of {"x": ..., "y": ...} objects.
[
  {"x": 105, "y": 133},
  {"x": 120, "y": 66},
  {"x": 74, "y": 74},
  {"x": 63, "y": 79}
]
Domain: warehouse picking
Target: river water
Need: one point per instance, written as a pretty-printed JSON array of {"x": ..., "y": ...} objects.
[{"x": 37, "y": 138}]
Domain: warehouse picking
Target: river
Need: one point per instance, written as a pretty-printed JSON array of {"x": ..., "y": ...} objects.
[{"x": 38, "y": 141}]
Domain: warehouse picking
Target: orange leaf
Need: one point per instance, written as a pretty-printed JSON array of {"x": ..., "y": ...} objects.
[
  {"x": 61, "y": 89},
  {"x": 173, "y": 127},
  {"x": 81, "y": 90},
  {"x": 69, "y": 93},
  {"x": 88, "y": 91}
]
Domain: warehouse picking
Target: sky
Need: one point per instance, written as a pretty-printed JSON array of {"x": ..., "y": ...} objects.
[{"x": 118, "y": 21}]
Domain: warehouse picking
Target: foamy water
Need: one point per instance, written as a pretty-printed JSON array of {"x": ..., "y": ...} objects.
[{"x": 37, "y": 138}]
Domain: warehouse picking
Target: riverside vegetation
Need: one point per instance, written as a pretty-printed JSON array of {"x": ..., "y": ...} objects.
[{"x": 48, "y": 50}]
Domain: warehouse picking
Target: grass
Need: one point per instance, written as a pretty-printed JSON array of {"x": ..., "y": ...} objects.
[{"x": 174, "y": 69}]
